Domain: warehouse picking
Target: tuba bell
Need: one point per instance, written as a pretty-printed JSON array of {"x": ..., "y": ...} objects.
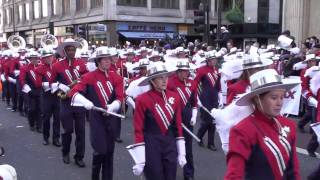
[
  {"x": 84, "y": 47},
  {"x": 16, "y": 42},
  {"x": 49, "y": 41}
]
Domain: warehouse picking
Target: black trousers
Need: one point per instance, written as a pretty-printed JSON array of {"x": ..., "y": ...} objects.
[
  {"x": 13, "y": 95},
  {"x": 72, "y": 120},
  {"x": 206, "y": 125},
  {"x": 102, "y": 139},
  {"x": 33, "y": 109},
  {"x": 50, "y": 108}
]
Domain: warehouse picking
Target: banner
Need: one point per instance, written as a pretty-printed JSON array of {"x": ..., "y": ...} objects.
[{"x": 291, "y": 101}]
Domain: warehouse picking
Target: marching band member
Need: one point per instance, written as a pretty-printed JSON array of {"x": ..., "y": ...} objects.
[
  {"x": 13, "y": 66},
  {"x": 251, "y": 65},
  {"x": 65, "y": 74},
  {"x": 187, "y": 90},
  {"x": 31, "y": 85},
  {"x": 308, "y": 100},
  {"x": 50, "y": 102},
  {"x": 157, "y": 122},
  {"x": 207, "y": 79},
  {"x": 6, "y": 66},
  {"x": 104, "y": 88},
  {"x": 263, "y": 145}
]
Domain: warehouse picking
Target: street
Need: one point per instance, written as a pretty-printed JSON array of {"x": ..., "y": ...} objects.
[{"x": 34, "y": 161}]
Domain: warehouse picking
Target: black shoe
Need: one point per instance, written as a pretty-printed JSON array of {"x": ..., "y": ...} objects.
[
  {"x": 56, "y": 142},
  {"x": 45, "y": 142},
  {"x": 188, "y": 178},
  {"x": 66, "y": 159},
  {"x": 32, "y": 128},
  {"x": 301, "y": 129},
  {"x": 201, "y": 143},
  {"x": 80, "y": 163},
  {"x": 39, "y": 130},
  {"x": 212, "y": 147},
  {"x": 312, "y": 154},
  {"x": 118, "y": 140}
]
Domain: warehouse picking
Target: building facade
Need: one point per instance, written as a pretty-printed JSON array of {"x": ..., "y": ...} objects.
[
  {"x": 301, "y": 17},
  {"x": 108, "y": 22}
]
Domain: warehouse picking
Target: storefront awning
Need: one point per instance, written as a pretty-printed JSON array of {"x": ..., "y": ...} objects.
[{"x": 146, "y": 35}]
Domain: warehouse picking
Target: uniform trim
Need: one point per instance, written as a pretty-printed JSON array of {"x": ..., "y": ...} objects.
[{"x": 276, "y": 153}]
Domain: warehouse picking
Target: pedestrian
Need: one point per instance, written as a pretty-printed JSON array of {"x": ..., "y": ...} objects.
[
  {"x": 66, "y": 74},
  {"x": 158, "y": 133},
  {"x": 187, "y": 90},
  {"x": 263, "y": 145},
  {"x": 102, "y": 88},
  {"x": 208, "y": 80}
]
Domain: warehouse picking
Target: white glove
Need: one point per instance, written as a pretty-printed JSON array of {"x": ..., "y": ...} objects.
[
  {"x": 3, "y": 78},
  {"x": 63, "y": 87},
  {"x": 114, "y": 106},
  {"x": 54, "y": 87},
  {"x": 12, "y": 80},
  {"x": 46, "y": 86},
  {"x": 16, "y": 73},
  {"x": 138, "y": 154},
  {"x": 138, "y": 169},
  {"x": 131, "y": 102},
  {"x": 181, "y": 147},
  {"x": 214, "y": 112},
  {"x": 26, "y": 88},
  {"x": 79, "y": 99},
  {"x": 194, "y": 116},
  {"x": 312, "y": 102}
]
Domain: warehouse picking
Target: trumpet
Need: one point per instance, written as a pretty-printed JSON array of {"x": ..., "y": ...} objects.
[{"x": 62, "y": 95}]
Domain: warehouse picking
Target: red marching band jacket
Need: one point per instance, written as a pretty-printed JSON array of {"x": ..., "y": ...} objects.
[
  {"x": 100, "y": 88},
  {"x": 154, "y": 115},
  {"x": 305, "y": 84},
  {"x": 237, "y": 88},
  {"x": 186, "y": 90},
  {"x": 257, "y": 150},
  {"x": 66, "y": 73},
  {"x": 46, "y": 73},
  {"x": 29, "y": 76}
]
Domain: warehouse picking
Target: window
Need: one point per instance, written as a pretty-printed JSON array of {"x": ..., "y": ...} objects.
[
  {"x": 193, "y": 4},
  {"x": 263, "y": 11},
  {"x": 138, "y": 3},
  {"x": 168, "y": 4},
  {"x": 66, "y": 6},
  {"x": 44, "y": 8},
  {"x": 36, "y": 8},
  {"x": 20, "y": 12},
  {"x": 81, "y": 4},
  {"x": 27, "y": 11},
  {"x": 54, "y": 7},
  {"x": 8, "y": 15},
  {"x": 225, "y": 5},
  {"x": 96, "y": 3}
]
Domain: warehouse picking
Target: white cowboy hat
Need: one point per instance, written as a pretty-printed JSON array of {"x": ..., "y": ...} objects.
[
  {"x": 100, "y": 52},
  {"x": 67, "y": 42},
  {"x": 159, "y": 69},
  {"x": 142, "y": 63},
  {"x": 184, "y": 64},
  {"x": 309, "y": 57},
  {"x": 264, "y": 81},
  {"x": 250, "y": 62}
]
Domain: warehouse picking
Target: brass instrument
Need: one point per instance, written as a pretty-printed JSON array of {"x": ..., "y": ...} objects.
[
  {"x": 62, "y": 95},
  {"x": 49, "y": 41},
  {"x": 84, "y": 46},
  {"x": 15, "y": 43}
]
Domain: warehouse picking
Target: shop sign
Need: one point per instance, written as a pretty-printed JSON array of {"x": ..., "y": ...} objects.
[{"x": 147, "y": 27}]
